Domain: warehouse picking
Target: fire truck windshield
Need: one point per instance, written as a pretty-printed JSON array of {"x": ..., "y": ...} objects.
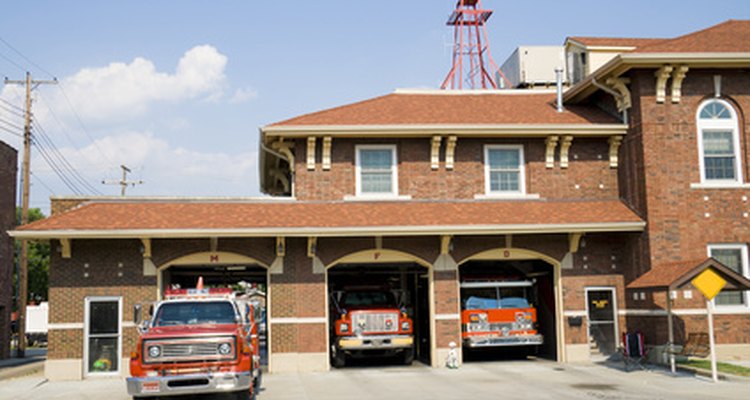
[
  {"x": 496, "y": 297},
  {"x": 195, "y": 313},
  {"x": 369, "y": 298}
]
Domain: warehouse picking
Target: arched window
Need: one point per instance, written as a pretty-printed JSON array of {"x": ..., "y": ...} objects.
[{"x": 719, "y": 143}]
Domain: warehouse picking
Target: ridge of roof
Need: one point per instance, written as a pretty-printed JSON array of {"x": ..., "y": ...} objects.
[
  {"x": 734, "y": 32},
  {"x": 290, "y": 121},
  {"x": 605, "y": 41}
]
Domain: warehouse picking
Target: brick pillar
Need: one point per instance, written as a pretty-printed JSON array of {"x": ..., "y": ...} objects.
[
  {"x": 298, "y": 340},
  {"x": 447, "y": 314}
]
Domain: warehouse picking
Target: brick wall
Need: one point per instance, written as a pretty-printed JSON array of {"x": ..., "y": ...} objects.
[
  {"x": 588, "y": 174},
  {"x": 8, "y": 173}
]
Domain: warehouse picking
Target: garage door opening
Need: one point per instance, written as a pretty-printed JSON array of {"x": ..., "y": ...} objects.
[
  {"x": 251, "y": 279},
  {"x": 379, "y": 314},
  {"x": 508, "y": 310}
]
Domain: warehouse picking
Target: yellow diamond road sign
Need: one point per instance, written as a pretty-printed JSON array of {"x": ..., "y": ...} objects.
[{"x": 709, "y": 283}]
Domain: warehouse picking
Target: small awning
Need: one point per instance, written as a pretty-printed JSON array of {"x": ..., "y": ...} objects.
[{"x": 677, "y": 275}]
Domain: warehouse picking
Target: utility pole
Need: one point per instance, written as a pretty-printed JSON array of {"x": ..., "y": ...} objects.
[
  {"x": 23, "y": 283},
  {"x": 124, "y": 182}
]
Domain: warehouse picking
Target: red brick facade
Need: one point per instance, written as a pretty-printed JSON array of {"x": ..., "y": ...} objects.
[{"x": 8, "y": 167}]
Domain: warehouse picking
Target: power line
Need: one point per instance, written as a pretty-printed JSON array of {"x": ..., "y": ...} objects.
[
  {"x": 12, "y": 125},
  {"x": 11, "y": 105},
  {"x": 52, "y": 192},
  {"x": 58, "y": 171},
  {"x": 6, "y": 58},
  {"x": 11, "y": 110},
  {"x": 80, "y": 122},
  {"x": 26, "y": 58},
  {"x": 11, "y": 132}
]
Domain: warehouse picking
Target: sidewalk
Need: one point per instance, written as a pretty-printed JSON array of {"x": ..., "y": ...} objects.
[{"x": 32, "y": 363}]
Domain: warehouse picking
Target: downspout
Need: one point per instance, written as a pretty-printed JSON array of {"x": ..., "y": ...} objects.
[
  {"x": 613, "y": 93},
  {"x": 281, "y": 156}
]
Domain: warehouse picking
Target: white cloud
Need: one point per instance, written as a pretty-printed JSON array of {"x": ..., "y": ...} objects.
[{"x": 243, "y": 94}]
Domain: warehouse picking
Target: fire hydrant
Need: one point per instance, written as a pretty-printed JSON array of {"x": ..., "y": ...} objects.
[{"x": 452, "y": 360}]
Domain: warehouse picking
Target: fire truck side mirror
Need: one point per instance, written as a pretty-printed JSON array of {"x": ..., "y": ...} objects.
[{"x": 137, "y": 313}]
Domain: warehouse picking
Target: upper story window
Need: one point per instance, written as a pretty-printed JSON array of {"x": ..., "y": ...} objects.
[
  {"x": 733, "y": 256},
  {"x": 377, "y": 173},
  {"x": 719, "y": 143},
  {"x": 504, "y": 170}
]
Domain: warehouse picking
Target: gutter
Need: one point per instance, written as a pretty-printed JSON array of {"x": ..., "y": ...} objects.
[{"x": 613, "y": 93}]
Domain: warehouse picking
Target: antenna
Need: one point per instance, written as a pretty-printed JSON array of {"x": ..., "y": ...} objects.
[
  {"x": 472, "y": 62},
  {"x": 124, "y": 182}
]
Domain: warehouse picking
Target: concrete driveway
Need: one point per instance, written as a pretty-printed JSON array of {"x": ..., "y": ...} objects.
[{"x": 489, "y": 380}]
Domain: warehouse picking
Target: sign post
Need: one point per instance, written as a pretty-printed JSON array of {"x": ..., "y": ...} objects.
[{"x": 710, "y": 284}]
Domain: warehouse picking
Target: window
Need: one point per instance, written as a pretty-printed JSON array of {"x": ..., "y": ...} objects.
[
  {"x": 103, "y": 331},
  {"x": 719, "y": 145},
  {"x": 376, "y": 170},
  {"x": 733, "y": 256},
  {"x": 504, "y": 170}
]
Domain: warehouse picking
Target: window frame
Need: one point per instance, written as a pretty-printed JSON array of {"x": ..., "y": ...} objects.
[
  {"x": 521, "y": 171},
  {"x": 745, "y": 270},
  {"x": 706, "y": 125},
  {"x": 86, "y": 336},
  {"x": 358, "y": 170}
]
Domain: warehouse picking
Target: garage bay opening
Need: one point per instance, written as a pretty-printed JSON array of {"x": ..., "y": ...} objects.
[
  {"x": 507, "y": 310},
  {"x": 379, "y": 314},
  {"x": 249, "y": 279}
]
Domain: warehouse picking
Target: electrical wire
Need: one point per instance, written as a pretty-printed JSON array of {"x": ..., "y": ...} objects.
[
  {"x": 52, "y": 192},
  {"x": 10, "y": 124},
  {"x": 26, "y": 58},
  {"x": 2, "y": 128},
  {"x": 11, "y": 105},
  {"x": 80, "y": 122},
  {"x": 52, "y": 164},
  {"x": 15, "y": 64}
]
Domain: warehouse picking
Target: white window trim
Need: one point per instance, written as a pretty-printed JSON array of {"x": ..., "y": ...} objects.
[
  {"x": 615, "y": 312},
  {"x": 521, "y": 192},
  {"x": 87, "y": 302},
  {"x": 358, "y": 172},
  {"x": 731, "y": 124},
  {"x": 745, "y": 270}
]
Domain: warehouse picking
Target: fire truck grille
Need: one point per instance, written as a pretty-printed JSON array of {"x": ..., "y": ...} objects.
[
  {"x": 190, "y": 350},
  {"x": 186, "y": 350},
  {"x": 375, "y": 322}
]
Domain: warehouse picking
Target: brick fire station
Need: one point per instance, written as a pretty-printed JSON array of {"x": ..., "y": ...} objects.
[{"x": 645, "y": 168}]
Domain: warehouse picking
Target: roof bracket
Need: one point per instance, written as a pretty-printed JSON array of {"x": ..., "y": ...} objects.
[
  {"x": 280, "y": 246},
  {"x": 450, "y": 149},
  {"x": 146, "y": 247},
  {"x": 677, "y": 77},
  {"x": 327, "y": 153},
  {"x": 446, "y": 244},
  {"x": 311, "y": 153},
  {"x": 574, "y": 240},
  {"x": 551, "y": 143},
  {"x": 614, "y": 146},
  {"x": 662, "y": 75},
  {"x": 564, "y": 148},
  {"x": 312, "y": 246},
  {"x": 65, "y": 247},
  {"x": 435, "y": 152},
  {"x": 619, "y": 84}
]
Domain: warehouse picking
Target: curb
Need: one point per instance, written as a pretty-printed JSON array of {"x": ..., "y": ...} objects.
[
  {"x": 22, "y": 370},
  {"x": 707, "y": 374}
]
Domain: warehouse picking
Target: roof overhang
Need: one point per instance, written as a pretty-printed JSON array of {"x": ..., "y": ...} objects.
[
  {"x": 627, "y": 61},
  {"x": 685, "y": 273},
  {"x": 351, "y": 231},
  {"x": 428, "y": 130}
]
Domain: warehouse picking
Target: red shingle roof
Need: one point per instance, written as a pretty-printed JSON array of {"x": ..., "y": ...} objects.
[
  {"x": 663, "y": 276},
  {"x": 732, "y": 36},
  {"x": 614, "y": 42},
  {"x": 452, "y": 108},
  {"x": 322, "y": 215}
]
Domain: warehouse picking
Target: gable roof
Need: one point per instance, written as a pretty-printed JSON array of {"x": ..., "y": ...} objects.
[
  {"x": 675, "y": 275},
  {"x": 732, "y": 36},
  {"x": 123, "y": 219},
  {"x": 453, "y": 107}
]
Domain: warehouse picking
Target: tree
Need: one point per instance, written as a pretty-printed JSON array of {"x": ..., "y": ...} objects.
[{"x": 38, "y": 261}]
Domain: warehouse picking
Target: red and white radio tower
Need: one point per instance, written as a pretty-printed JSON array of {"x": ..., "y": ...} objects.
[{"x": 472, "y": 62}]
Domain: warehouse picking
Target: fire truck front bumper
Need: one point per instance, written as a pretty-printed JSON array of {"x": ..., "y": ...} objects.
[
  {"x": 173, "y": 385},
  {"x": 497, "y": 341},
  {"x": 375, "y": 342}
]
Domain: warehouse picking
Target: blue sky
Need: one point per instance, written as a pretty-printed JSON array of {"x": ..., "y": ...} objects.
[{"x": 190, "y": 127}]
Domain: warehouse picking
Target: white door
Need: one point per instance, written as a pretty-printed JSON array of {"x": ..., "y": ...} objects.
[
  {"x": 102, "y": 348},
  {"x": 602, "y": 318}
]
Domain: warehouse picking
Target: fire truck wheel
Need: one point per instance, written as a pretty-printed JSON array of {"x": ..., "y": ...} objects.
[
  {"x": 257, "y": 381},
  {"x": 339, "y": 359},
  {"x": 244, "y": 395},
  {"x": 408, "y": 356}
]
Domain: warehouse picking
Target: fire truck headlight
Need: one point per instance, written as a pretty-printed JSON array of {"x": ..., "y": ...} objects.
[
  {"x": 154, "y": 351},
  {"x": 405, "y": 326},
  {"x": 344, "y": 328},
  {"x": 225, "y": 349}
]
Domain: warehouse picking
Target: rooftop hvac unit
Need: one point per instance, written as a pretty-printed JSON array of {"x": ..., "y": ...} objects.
[{"x": 534, "y": 66}]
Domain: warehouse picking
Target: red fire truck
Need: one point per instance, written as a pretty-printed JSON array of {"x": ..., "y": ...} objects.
[
  {"x": 369, "y": 323},
  {"x": 197, "y": 341},
  {"x": 498, "y": 313}
]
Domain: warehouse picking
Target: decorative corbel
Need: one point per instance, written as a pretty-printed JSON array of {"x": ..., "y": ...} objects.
[
  {"x": 450, "y": 149},
  {"x": 620, "y": 85},
  {"x": 280, "y": 177},
  {"x": 280, "y": 246},
  {"x": 327, "y": 153},
  {"x": 312, "y": 246},
  {"x": 574, "y": 240},
  {"x": 146, "y": 246},
  {"x": 614, "y": 146},
  {"x": 285, "y": 148},
  {"x": 551, "y": 143},
  {"x": 435, "y": 152},
  {"x": 564, "y": 149},
  {"x": 662, "y": 75},
  {"x": 446, "y": 244},
  {"x": 311, "y": 153},
  {"x": 677, "y": 77},
  {"x": 65, "y": 247},
  {"x": 214, "y": 243},
  {"x": 378, "y": 242},
  {"x": 509, "y": 241}
]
